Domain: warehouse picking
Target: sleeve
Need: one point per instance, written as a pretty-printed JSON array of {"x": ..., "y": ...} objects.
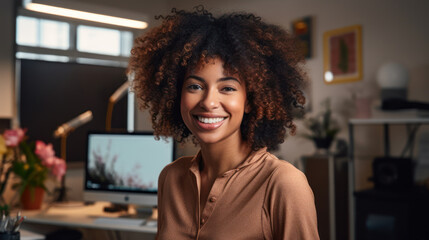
[
  {"x": 290, "y": 205},
  {"x": 161, "y": 180}
]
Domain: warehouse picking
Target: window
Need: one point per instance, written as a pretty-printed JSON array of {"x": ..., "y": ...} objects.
[
  {"x": 42, "y": 33},
  {"x": 27, "y": 31},
  {"x": 98, "y": 40},
  {"x": 54, "y": 34},
  {"x": 45, "y": 39}
]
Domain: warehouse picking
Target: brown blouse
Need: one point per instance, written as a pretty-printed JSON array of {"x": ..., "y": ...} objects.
[{"x": 263, "y": 198}]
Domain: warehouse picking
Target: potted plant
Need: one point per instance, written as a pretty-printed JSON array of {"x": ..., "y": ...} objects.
[
  {"x": 5, "y": 170},
  {"x": 322, "y": 127},
  {"x": 32, "y": 163}
]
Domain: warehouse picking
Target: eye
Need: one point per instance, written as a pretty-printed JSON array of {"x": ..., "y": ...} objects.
[
  {"x": 228, "y": 89},
  {"x": 194, "y": 87}
]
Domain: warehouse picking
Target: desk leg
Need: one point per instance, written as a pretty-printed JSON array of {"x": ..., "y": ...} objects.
[
  {"x": 351, "y": 180},
  {"x": 386, "y": 140},
  {"x": 331, "y": 166}
]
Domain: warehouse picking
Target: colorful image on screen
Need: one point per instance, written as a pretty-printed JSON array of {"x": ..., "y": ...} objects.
[{"x": 126, "y": 162}]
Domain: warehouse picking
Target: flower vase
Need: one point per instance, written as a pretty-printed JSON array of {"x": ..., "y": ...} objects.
[{"x": 32, "y": 199}]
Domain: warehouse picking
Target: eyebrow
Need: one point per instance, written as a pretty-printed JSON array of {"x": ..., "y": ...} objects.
[{"x": 219, "y": 80}]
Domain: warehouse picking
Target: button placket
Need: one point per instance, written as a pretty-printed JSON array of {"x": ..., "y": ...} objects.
[{"x": 214, "y": 194}]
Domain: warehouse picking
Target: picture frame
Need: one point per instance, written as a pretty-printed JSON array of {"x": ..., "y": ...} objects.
[
  {"x": 342, "y": 53},
  {"x": 302, "y": 29}
]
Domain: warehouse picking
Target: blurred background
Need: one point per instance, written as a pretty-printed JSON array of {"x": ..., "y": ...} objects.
[{"x": 53, "y": 68}]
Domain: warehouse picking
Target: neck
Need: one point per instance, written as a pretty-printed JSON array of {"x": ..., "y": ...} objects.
[{"x": 219, "y": 158}]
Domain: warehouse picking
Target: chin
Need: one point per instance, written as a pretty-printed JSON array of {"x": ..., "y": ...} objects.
[{"x": 208, "y": 139}]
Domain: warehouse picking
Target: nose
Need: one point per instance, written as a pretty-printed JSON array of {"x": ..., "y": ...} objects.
[{"x": 210, "y": 100}]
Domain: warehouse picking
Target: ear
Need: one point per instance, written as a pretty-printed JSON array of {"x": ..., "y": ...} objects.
[{"x": 247, "y": 107}]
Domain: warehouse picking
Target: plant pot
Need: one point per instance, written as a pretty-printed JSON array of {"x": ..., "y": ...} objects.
[
  {"x": 32, "y": 198},
  {"x": 322, "y": 145},
  {"x": 323, "y": 142}
]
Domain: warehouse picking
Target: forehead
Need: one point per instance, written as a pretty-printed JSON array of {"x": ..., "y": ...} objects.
[{"x": 206, "y": 62}]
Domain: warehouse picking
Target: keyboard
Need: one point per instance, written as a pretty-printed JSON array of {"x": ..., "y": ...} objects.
[{"x": 135, "y": 222}]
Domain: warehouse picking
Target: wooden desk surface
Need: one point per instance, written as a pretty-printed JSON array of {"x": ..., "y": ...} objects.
[{"x": 81, "y": 216}]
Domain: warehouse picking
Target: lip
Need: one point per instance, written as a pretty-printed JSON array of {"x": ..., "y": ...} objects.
[{"x": 208, "y": 126}]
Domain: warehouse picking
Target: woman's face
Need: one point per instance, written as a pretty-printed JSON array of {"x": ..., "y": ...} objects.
[{"x": 212, "y": 103}]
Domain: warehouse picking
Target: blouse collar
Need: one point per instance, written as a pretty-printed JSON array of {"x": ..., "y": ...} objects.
[{"x": 252, "y": 158}]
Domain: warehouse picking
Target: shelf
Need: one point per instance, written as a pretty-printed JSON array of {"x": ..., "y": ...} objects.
[
  {"x": 393, "y": 117},
  {"x": 405, "y": 120}
]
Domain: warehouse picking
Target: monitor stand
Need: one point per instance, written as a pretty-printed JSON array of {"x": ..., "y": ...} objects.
[{"x": 116, "y": 208}]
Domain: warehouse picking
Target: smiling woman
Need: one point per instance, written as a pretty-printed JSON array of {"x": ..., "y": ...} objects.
[
  {"x": 231, "y": 84},
  {"x": 212, "y": 104}
]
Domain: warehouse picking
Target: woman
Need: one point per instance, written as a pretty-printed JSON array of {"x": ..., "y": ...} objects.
[{"x": 229, "y": 83}]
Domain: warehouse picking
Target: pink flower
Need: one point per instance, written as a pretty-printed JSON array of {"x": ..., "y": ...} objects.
[
  {"x": 45, "y": 152},
  {"x": 49, "y": 162},
  {"x": 59, "y": 168},
  {"x": 14, "y": 137}
]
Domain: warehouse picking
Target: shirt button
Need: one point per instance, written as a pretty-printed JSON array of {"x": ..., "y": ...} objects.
[
  {"x": 212, "y": 199},
  {"x": 203, "y": 220}
]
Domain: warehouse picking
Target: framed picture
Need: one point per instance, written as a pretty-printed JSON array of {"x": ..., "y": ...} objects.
[
  {"x": 342, "y": 53},
  {"x": 302, "y": 30}
]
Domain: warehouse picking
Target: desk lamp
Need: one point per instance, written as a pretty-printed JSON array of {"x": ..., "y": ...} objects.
[
  {"x": 116, "y": 96},
  {"x": 63, "y": 131},
  {"x": 393, "y": 80}
]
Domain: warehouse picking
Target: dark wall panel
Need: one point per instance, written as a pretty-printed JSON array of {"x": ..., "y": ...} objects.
[{"x": 53, "y": 93}]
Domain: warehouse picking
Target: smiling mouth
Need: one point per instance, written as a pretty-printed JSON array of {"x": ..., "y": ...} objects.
[{"x": 210, "y": 120}]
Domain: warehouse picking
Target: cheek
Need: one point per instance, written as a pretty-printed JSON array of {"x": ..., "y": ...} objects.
[
  {"x": 238, "y": 104},
  {"x": 186, "y": 104},
  {"x": 183, "y": 107}
]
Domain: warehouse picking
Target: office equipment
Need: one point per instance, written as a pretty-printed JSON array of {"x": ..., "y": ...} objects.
[
  {"x": 386, "y": 121},
  {"x": 393, "y": 173},
  {"x": 71, "y": 125},
  {"x": 392, "y": 215},
  {"x": 63, "y": 131},
  {"x": 127, "y": 222},
  {"x": 123, "y": 168},
  {"x": 118, "y": 94}
]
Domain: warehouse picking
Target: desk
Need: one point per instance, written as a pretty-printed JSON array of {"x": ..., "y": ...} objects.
[
  {"x": 391, "y": 119},
  {"x": 83, "y": 217}
]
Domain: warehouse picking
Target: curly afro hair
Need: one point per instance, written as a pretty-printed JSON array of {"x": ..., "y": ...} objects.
[{"x": 263, "y": 55}]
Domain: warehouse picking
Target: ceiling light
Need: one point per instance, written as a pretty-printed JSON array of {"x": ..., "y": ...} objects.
[{"x": 94, "y": 17}]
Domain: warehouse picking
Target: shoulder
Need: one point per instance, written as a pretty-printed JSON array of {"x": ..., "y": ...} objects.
[
  {"x": 176, "y": 167},
  {"x": 289, "y": 203},
  {"x": 283, "y": 171},
  {"x": 286, "y": 179}
]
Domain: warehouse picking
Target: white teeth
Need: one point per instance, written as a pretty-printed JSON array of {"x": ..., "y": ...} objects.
[{"x": 209, "y": 120}]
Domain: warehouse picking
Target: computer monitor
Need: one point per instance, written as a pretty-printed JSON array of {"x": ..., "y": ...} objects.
[{"x": 123, "y": 168}]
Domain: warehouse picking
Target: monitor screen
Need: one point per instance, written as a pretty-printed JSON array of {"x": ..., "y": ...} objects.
[{"x": 124, "y": 167}]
